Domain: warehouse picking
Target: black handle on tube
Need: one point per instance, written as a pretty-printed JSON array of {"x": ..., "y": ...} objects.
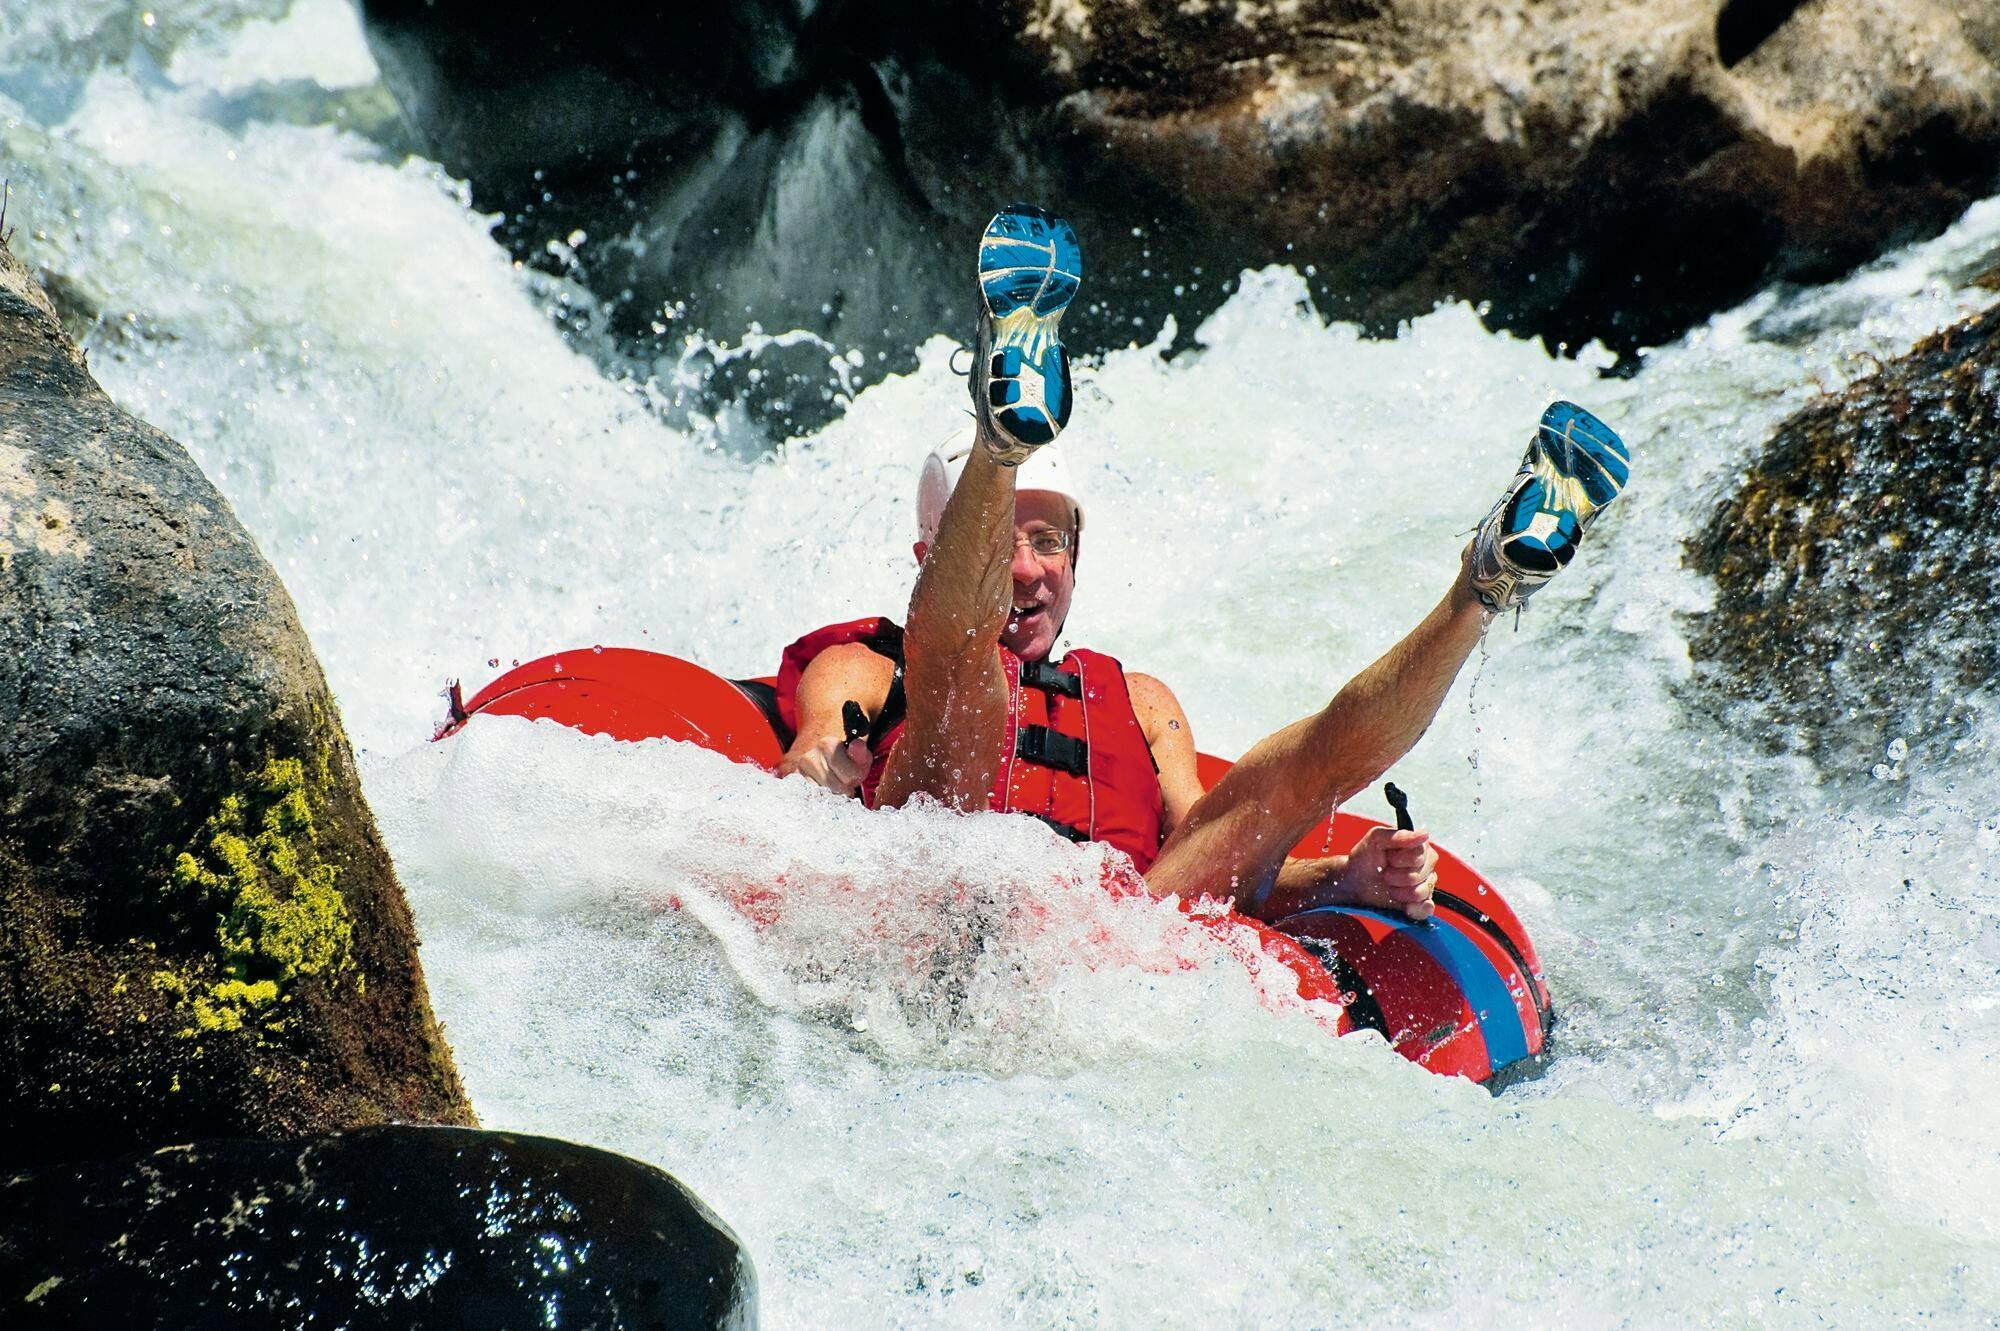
[{"x": 853, "y": 721}]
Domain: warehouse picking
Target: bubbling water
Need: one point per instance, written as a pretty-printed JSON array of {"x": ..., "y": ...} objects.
[{"x": 927, "y": 1069}]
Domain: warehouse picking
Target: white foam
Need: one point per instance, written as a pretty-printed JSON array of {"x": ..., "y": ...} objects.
[
  {"x": 944, "y": 1079},
  {"x": 318, "y": 41}
]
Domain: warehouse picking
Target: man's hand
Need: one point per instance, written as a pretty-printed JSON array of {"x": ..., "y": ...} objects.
[
  {"x": 1389, "y": 870},
  {"x": 834, "y": 763}
]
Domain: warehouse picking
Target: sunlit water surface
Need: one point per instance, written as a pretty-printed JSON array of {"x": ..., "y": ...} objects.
[{"x": 939, "y": 1092}]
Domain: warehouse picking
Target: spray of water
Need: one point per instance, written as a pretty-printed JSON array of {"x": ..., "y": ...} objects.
[{"x": 926, "y": 1068}]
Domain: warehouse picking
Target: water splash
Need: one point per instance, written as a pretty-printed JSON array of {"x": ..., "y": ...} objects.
[{"x": 904, "y": 1086}]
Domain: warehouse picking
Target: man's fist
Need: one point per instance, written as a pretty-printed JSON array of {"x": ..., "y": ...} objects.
[
  {"x": 833, "y": 763},
  {"x": 1390, "y": 870}
]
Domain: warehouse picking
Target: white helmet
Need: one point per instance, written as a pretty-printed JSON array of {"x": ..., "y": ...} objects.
[{"x": 1044, "y": 469}]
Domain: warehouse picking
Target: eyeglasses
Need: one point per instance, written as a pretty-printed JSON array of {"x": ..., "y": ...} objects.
[{"x": 1047, "y": 543}]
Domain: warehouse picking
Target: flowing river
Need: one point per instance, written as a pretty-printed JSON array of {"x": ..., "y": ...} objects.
[{"x": 951, "y": 1084}]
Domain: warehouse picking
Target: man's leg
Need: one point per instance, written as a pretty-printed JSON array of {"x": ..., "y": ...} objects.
[
  {"x": 1236, "y": 836},
  {"x": 956, "y": 724},
  {"x": 952, "y": 676}
]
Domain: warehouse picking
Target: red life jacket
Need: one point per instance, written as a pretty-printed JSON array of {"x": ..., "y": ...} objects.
[{"x": 1075, "y": 755}]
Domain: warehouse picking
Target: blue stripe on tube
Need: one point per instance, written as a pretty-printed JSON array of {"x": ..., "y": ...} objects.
[{"x": 1485, "y": 989}]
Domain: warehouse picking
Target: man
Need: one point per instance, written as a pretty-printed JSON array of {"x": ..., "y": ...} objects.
[{"x": 965, "y": 707}]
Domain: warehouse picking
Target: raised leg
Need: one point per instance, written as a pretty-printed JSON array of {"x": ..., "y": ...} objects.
[
  {"x": 1236, "y": 836},
  {"x": 1029, "y": 268},
  {"x": 952, "y": 676}
]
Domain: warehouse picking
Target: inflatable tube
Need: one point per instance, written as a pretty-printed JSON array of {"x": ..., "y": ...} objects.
[
  {"x": 631, "y": 695},
  {"x": 1461, "y": 994}
]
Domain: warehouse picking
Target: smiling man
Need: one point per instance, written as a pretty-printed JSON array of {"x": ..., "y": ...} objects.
[{"x": 966, "y": 707}]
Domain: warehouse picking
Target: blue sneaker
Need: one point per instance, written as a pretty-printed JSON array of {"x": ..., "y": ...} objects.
[
  {"x": 1575, "y": 467},
  {"x": 1029, "y": 268}
]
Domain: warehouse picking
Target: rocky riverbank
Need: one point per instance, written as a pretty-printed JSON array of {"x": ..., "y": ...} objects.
[
  {"x": 205, "y": 936},
  {"x": 202, "y": 940}
]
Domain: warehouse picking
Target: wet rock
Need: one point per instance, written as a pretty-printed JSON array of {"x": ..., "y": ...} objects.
[
  {"x": 1588, "y": 168},
  {"x": 724, "y": 169},
  {"x": 1855, "y": 564},
  {"x": 391, "y": 1227},
  {"x": 200, "y": 932}
]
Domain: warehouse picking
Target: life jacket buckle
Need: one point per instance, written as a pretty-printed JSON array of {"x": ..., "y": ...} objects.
[
  {"x": 1050, "y": 748},
  {"x": 1050, "y": 678}
]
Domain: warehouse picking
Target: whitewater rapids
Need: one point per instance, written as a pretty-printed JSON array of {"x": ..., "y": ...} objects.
[{"x": 912, "y": 1095}]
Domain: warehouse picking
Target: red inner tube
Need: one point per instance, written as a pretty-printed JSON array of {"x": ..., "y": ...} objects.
[{"x": 1462, "y": 994}]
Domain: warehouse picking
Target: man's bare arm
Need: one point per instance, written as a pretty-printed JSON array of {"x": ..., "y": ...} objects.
[
  {"x": 822, "y": 752},
  {"x": 1171, "y": 738}
]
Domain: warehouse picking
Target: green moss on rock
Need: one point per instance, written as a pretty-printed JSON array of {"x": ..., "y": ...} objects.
[
  {"x": 186, "y": 846},
  {"x": 278, "y": 914}
]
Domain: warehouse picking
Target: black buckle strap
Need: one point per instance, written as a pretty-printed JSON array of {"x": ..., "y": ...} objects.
[
  {"x": 893, "y": 709},
  {"x": 1049, "y": 678},
  {"x": 1049, "y": 748},
  {"x": 1061, "y": 829}
]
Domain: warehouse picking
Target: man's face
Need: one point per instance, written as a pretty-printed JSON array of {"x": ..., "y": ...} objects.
[{"x": 1043, "y": 584}]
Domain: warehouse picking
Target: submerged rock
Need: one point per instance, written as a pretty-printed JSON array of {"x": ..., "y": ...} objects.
[
  {"x": 1588, "y": 168},
  {"x": 200, "y": 932},
  {"x": 392, "y": 1227},
  {"x": 1855, "y": 567}
]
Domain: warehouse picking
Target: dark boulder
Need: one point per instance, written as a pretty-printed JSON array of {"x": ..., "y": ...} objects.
[
  {"x": 200, "y": 931},
  {"x": 1855, "y": 565},
  {"x": 716, "y": 169},
  {"x": 1587, "y": 168},
  {"x": 395, "y": 1228}
]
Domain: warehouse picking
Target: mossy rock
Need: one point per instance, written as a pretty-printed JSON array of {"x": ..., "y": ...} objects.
[
  {"x": 1858, "y": 564},
  {"x": 200, "y": 932}
]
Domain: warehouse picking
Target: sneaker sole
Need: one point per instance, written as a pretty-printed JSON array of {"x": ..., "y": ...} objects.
[
  {"x": 1030, "y": 266},
  {"x": 1580, "y": 460},
  {"x": 1575, "y": 467}
]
